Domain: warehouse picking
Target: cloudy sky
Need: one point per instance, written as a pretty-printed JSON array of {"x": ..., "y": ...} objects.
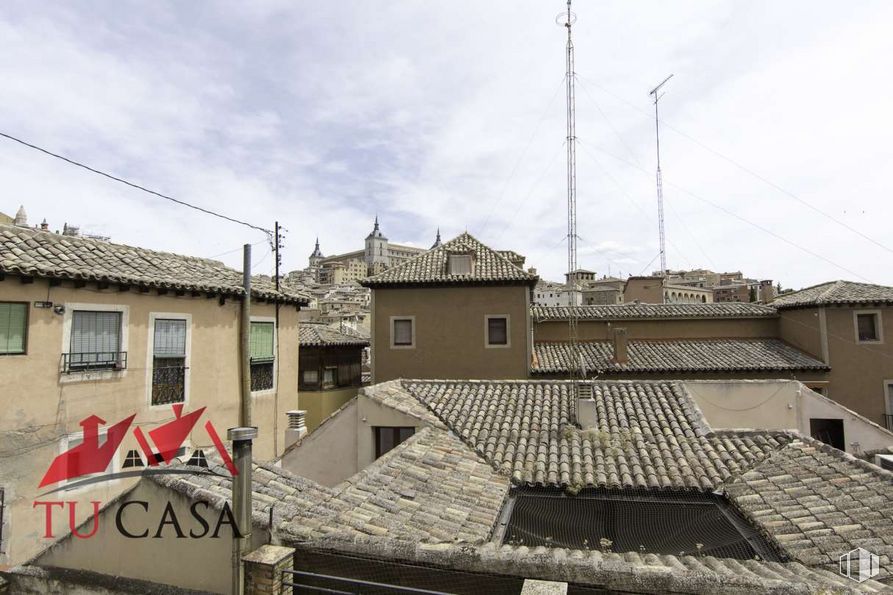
[{"x": 451, "y": 114}]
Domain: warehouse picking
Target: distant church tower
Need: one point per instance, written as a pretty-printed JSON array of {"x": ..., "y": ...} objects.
[
  {"x": 377, "y": 257},
  {"x": 316, "y": 256},
  {"x": 437, "y": 242}
]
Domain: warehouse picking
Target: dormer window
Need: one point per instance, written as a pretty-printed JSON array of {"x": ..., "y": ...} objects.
[{"x": 460, "y": 264}]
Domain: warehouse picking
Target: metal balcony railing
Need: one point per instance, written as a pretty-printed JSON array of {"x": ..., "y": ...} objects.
[
  {"x": 94, "y": 360},
  {"x": 168, "y": 381}
]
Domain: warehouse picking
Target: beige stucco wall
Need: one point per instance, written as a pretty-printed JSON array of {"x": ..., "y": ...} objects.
[
  {"x": 800, "y": 328},
  {"x": 449, "y": 333},
  {"x": 345, "y": 443},
  {"x": 328, "y": 455},
  {"x": 203, "y": 563},
  {"x": 321, "y": 404},
  {"x": 660, "y": 329},
  {"x": 781, "y": 405},
  {"x": 858, "y": 370},
  {"x": 41, "y": 406}
]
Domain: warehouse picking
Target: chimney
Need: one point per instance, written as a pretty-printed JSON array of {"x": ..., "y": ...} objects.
[
  {"x": 44, "y": 226},
  {"x": 532, "y": 271},
  {"x": 296, "y": 428},
  {"x": 621, "y": 355},
  {"x": 587, "y": 416}
]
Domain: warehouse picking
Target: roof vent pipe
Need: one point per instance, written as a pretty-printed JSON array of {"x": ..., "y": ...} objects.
[{"x": 621, "y": 348}]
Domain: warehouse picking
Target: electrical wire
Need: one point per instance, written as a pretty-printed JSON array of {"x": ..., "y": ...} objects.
[
  {"x": 746, "y": 169},
  {"x": 132, "y": 185},
  {"x": 740, "y": 218},
  {"x": 521, "y": 156}
]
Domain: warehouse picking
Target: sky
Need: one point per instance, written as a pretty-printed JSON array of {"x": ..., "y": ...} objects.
[{"x": 775, "y": 138}]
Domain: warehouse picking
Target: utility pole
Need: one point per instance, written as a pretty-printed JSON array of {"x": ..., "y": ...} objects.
[
  {"x": 244, "y": 341},
  {"x": 277, "y": 244},
  {"x": 572, "y": 289},
  {"x": 655, "y": 92}
]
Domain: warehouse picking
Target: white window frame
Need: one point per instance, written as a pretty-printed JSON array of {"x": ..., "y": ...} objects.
[
  {"x": 508, "y": 331},
  {"x": 150, "y": 356},
  {"x": 270, "y": 391},
  {"x": 391, "y": 329},
  {"x": 879, "y": 320},
  {"x": 93, "y": 375},
  {"x": 888, "y": 396},
  {"x": 64, "y": 445}
]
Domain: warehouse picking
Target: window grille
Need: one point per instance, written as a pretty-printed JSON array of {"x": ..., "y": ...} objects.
[
  {"x": 261, "y": 343},
  {"x": 169, "y": 362},
  {"x": 13, "y": 328},
  {"x": 460, "y": 264},
  {"x": 95, "y": 341}
]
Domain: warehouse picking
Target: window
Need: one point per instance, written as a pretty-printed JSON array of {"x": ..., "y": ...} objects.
[
  {"x": 311, "y": 377},
  {"x": 95, "y": 341},
  {"x": 402, "y": 332},
  {"x": 169, "y": 362},
  {"x": 329, "y": 377},
  {"x": 386, "y": 438},
  {"x": 460, "y": 264},
  {"x": 829, "y": 431},
  {"x": 77, "y": 439},
  {"x": 13, "y": 328},
  {"x": 497, "y": 331},
  {"x": 868, "y": 327},
  {"x": 133, "y": 459},
  {"x": 261, "y": 340}
]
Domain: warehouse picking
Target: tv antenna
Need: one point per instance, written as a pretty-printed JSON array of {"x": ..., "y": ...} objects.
[
  {"x": 655, "y": 92},
  {"x": 567, "y": 19}
]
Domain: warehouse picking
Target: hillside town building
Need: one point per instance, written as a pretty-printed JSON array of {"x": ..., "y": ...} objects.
[{"x": 92, "y": 330}]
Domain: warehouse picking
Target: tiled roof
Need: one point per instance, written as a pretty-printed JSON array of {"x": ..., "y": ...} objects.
[
  {"x": 430, "y": 268},
  {"x": 676, "y": 355},
  {"x": 836, "y": 292},
  {"x": 272, "y": 487},
  {"x": 432, "y": 489},
  {"x": 46, "y": 254},
  {"x": 819, "y": 503},
  {"x": 392, "y": 394},
  {"x": 321, "y": 335},
  {"x": 649, "y": 434},
  {"x": 655, "y": 311}
]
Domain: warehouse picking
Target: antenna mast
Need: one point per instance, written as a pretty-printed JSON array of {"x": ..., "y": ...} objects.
[
  {"x": 572, "y": 289},
  {"x": 660, "y": 185}
]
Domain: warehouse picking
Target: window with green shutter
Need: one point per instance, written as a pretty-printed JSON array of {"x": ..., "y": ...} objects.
[
  {"x": 261, "y": 341},
  {"x": 13, "y": 327}
]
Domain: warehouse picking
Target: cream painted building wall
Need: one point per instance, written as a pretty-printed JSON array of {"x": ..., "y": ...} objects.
[
  {"x": 450, "y": 332},
  {"x": 42, "y": 407}
]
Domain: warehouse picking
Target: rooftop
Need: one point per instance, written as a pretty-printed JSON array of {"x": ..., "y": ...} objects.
[
  {"x": 431, "y": 268},
  {"x": 836, "y": 292},
  {"x": 653, "y": 311},
  {"x": 322, "y": 335},
  {"x": 45, "y": 254},
  {"x": 676, "y": 355}
]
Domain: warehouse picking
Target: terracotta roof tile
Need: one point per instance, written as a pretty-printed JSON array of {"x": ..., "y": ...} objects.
[
  {"x": 46, "y": 254},
  {"x": 430, "y": 268},
  {"x": 678, "y": 355},
  {"x": 836, "y": 292},
  {"x": 320, "y": 335}
]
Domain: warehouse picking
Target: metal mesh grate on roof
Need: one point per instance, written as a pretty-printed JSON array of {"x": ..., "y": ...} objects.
[{"x": 644, "y": 521}]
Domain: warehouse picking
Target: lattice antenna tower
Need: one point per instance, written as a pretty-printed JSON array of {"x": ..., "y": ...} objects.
[
  {"x": 567, "y": 19},
  {"x": 655, "y": 92}
]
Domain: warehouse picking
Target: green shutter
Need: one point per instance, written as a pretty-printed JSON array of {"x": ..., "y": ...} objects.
[
  {"x": 261, "y": 341},
  {"x": 12, "y": 327}
]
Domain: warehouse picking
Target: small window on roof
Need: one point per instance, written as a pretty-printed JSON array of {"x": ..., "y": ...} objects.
[{"x": 460, "y": 264}]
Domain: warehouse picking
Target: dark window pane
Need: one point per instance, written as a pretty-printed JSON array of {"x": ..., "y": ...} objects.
[
  {"x": 867, "y": 327},
  {"x": 261, "y": 376},
  {"x": 403, "y": 332},
  {"x": 386, "y": 438},
  {"x": 497, "y": 331}
]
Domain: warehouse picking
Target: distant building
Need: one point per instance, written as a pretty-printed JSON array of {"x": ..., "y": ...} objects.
[
  {"x": 656, "y": 290},
  {"x": 377, "y": 256}
]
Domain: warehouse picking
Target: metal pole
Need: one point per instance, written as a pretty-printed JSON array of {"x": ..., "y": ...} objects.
[
  {"x": 660, "y": 186},
  {"x": 276, "y": 254},
  {"x": 245, "y": 344},
  {"x": 241, "y": 438}
]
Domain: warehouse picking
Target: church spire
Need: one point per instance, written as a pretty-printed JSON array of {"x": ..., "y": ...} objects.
[{"x": 437, "y": 241}]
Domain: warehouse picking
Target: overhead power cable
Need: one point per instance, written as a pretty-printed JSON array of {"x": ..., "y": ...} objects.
[
  {"x": 740, "y": 218},
  {"x": 747, "y": 170},
  {"x": 132, "y": 185}
]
